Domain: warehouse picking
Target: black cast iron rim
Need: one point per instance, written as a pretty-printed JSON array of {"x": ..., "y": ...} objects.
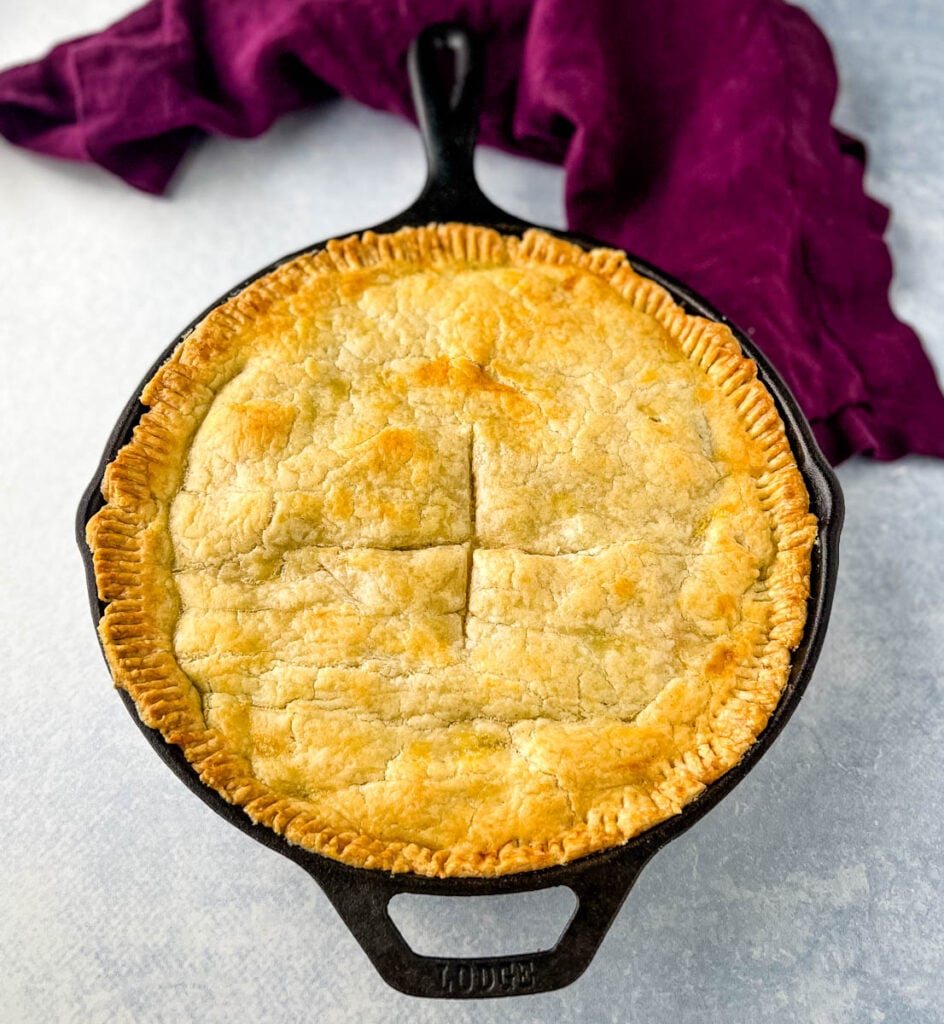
[{"x": 448, "y": 117}]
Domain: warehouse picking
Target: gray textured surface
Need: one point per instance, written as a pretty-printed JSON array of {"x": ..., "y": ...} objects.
[{"x": 814, "y": 893}]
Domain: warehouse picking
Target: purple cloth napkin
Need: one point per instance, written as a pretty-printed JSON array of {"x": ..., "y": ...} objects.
[{"x": 696, "y": 136}]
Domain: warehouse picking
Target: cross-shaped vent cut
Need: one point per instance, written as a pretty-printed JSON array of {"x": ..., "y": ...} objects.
[{"x": 472, "y": 535}]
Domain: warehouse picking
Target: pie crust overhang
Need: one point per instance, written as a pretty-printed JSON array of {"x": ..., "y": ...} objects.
[{"x": 455, "y": 553}]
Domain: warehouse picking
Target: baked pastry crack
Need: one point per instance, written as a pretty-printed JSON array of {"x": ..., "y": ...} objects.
[{"x": 456, "y": 553}]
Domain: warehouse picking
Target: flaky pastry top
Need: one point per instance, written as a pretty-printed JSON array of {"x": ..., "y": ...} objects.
[{"x": 455, "y": 553}]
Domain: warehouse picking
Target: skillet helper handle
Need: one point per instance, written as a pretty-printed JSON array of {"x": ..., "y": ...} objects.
[
  {"x": 447, "y": 109},
  {"x": 600, "y": 890}
]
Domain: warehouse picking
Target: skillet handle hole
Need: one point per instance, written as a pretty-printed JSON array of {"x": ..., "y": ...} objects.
[{"x": 481, "y": 926}]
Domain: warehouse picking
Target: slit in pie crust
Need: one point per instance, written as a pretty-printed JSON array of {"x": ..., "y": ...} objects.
[{"x": 455, "y": 553}]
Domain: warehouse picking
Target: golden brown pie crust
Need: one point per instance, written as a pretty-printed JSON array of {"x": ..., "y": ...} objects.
[{"x": 455, "y": 553}]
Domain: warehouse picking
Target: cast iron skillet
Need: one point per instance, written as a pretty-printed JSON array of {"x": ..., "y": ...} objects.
[{"x": 448, "y": 118}]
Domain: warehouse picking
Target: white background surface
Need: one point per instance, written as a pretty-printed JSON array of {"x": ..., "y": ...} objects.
[{"x": 814, "y": 893}]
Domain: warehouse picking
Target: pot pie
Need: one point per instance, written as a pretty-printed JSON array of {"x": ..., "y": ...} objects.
[{"x": 455, "y": 553}]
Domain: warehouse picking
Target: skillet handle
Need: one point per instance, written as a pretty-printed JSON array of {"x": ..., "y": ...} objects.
[
  {"x": 447, "y": 109},
  {"x": 600, "y": 890}
]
